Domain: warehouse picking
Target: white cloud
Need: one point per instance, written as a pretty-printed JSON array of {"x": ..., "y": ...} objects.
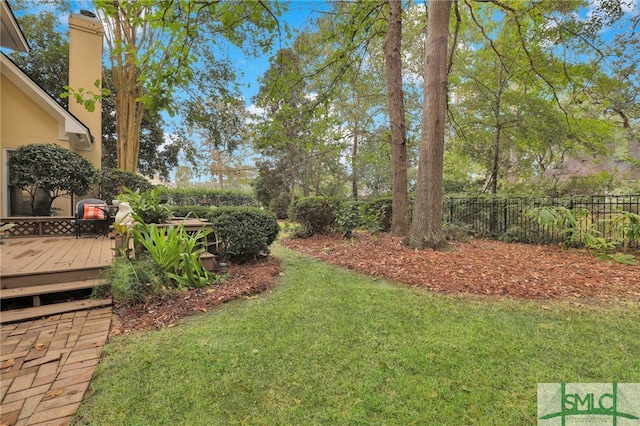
[{"x": 254, "y": 110}]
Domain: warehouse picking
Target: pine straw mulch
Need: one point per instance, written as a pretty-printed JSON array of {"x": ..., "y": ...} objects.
[
  {"x": 479, "y": 267},
  {"x": 243, "y": 280}
]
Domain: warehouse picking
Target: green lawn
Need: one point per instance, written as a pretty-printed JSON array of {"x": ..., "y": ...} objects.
[{"x": 331, "y": 347}]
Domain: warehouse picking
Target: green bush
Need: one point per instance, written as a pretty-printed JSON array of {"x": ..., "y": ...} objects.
[
  {"x": 457, "y": 231},
  {"x": 209, "y": 197},
  {"x": 245, "y": 232},
  {"x": 317, "y": 215},
  {"x": 577, "y": 226},
  {"x": 279, "y": 205},
  {"x": 376, "y": 214},
  {"x": 189, "y": 211},
  {"x": 113, "y": 183},
  {"x": 131, "y": 282},
  {"x": 348, "y": 218},
  {"x": 148, "y": 206},
  {"x": 53, "y": 169}
]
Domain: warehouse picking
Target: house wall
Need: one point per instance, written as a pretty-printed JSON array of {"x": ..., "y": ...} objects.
[{"x": 23, "y": 122}]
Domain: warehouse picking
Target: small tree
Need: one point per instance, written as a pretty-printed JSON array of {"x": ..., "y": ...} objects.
[{"x": 49, "y": 167}]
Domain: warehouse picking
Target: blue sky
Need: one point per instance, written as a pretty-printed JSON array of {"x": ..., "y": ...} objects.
[{"x": 299, "y": 16}]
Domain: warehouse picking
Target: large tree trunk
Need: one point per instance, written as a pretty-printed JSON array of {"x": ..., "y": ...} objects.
[
  {"x": 392, "y": 44},
  {"x": 426, "y": 227},
  {"x": 129, "y": 112}
]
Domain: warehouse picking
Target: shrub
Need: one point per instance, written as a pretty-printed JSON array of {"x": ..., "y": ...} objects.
[
  {"x": 376, "y": 214},
  {"x": 209, "y": 197},
  {"x": 53, "y": 169},
  {"x": 245, "y": 232},
  {"x": 348, "y": 218},
  {"x": 317, "y": 215},
  {"x": 113, "y": 183},
  {"x": 279, "y": 205},
  {"x": 189, "y": 211},
  {"x": 577, "y": 226},
  {"x": 456, "y": 231},
  {"x": 148, "y": 205},
  {"x": 131, "y": 282}
]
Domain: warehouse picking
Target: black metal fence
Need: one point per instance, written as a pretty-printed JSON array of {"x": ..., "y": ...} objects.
[{"x": 506, "y": 218}]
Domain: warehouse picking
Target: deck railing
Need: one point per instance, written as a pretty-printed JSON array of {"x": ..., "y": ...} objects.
[{"x": 29, "y": 226}]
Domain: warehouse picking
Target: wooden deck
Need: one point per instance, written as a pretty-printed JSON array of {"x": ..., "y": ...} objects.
[
  {"x": 21, "y": 258},
  {"x": 38, "y": 274},
  {"x": 35, "y": 270}
]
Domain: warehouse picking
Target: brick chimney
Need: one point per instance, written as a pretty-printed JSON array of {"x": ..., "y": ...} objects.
[{"x": 85, "y": 67}]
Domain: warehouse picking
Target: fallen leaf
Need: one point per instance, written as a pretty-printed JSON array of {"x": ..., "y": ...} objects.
[
  {"x": 38, "y": 346},
  {"x": 8, "y": 363},
  {"x": 54, "y": 393}
]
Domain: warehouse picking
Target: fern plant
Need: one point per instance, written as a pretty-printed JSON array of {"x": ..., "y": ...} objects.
[{"x": 578, "y": 227}]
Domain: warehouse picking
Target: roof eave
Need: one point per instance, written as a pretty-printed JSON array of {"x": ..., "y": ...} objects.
[
  {"x": 11, "y": 35},
  {"x": 69, "y": 127}
]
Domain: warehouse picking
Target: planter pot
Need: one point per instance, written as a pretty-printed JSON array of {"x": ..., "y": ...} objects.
[
  {"x": 119, "y": 244},
  {"x": 222, "y": 267}
]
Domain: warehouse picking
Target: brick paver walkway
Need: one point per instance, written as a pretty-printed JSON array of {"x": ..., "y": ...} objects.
[{"x": 47, "y": 364}]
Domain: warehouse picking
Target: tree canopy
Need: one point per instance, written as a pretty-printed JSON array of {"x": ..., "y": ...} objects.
[{"x": 150, "y": 53}]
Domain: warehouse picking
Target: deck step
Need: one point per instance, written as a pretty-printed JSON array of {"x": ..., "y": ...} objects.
[
  {"x": 38, "y": 278},
  {"x": 37, "y": 290},
  {"x": 16, "y": 315}
]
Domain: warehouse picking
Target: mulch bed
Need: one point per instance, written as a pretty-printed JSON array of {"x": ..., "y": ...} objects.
[
  {"x": 479, "y": 267},
  {"x": 243, "y": 281}
]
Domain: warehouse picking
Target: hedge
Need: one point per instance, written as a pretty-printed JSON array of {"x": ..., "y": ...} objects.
[
  {"x": 246, "y": 232},
  {"x": 189, "y": 211},
  {"x": 317, "y": 215},
  {"x": 210, "y": 197}
]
